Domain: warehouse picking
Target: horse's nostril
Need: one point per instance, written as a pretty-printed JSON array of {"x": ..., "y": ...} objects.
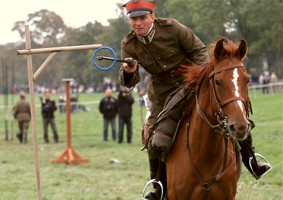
[
  {"x": 238, "y": 127},
  {"x": 232, "y": 128}
]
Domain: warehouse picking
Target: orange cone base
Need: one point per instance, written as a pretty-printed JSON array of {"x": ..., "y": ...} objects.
[{"x": 70, "y": 157}]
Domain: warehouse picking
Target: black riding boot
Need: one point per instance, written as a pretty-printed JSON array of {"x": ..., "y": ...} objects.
[
  {"x": 158, "y": 172},
  {"x": 256, "y": 168}
]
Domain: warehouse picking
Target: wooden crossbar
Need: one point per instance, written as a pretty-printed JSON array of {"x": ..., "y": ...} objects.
[{"x": 58, "y": 49}]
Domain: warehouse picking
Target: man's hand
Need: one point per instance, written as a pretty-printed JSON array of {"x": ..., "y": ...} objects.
[{"x": 130, "y": 67}]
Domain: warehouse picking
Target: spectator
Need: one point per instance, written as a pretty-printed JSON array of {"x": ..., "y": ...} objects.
[
  {"x": 273, "y": 80},
  {"x": 61, "y": 104},
  {"x": 260, "y": 79},
  {"x": 125, "y": 102},
  {"x": 48, "y": 109},
  {"x": 266, "y": 81},
  {"x": 108, "y": 108},
  {"x": 22, "y": 114}
]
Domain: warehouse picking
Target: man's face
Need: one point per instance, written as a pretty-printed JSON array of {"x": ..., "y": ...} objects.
[
  {"x": 108, "y": 92},
  {"x": 47, "y": 95},
  {"x": 141, "y": 24}
]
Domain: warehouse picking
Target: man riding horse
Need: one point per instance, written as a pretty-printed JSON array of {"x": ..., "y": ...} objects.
[{"x": 160, "y": 46}]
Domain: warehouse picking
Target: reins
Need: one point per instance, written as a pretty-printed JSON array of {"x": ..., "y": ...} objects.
[
  {"x": 222, "y": 120},
  {"x": 207, "y": 183},
  {"x": 203, "y": 116}
]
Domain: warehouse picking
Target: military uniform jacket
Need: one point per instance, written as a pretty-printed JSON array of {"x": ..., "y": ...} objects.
[
  {"x": 172, "y": 45},
  {"x": 21, "y": 111}
]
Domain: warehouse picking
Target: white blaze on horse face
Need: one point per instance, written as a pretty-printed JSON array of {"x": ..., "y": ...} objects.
[{"x": 235, "y": 82}]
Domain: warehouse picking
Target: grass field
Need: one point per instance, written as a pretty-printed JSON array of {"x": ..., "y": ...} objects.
[{"x": 99, "y": 179}]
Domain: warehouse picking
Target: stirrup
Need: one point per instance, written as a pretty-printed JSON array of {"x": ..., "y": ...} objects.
[
  {"x": 147, "y": 184},
  {"x": 261, "y": 158}
]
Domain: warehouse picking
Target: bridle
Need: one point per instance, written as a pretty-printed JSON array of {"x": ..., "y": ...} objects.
[
  {"x": 221, "y": 127},
  {"x": 222, "y": 120}
]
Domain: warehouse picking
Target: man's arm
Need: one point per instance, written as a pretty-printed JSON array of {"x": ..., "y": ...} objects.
[
  {"x": 196, "y": 50},
  {"x": 128, "y": 79}
]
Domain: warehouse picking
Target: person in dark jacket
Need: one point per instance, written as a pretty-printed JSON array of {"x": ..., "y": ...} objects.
[
  {"x": 22, "y": 114},
  {"x": 108, "y": 108},
  {"x": 47, "y": 109},
  {"x": 161, "y": 46},
  {"x": 125, "y": 102}
]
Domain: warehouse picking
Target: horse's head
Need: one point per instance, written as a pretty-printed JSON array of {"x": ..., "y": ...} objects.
[{"x": 229, "y": 86}]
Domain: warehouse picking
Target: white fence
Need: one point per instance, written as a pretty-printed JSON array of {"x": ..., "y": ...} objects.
[
  {"x": 279, "y": 85},
  {"x": 272, "y": 88}
]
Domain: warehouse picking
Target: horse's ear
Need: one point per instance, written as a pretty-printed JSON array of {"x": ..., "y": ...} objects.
[
  {"x": 242, "y": 49},
  {"x": 219, "y": 49}
]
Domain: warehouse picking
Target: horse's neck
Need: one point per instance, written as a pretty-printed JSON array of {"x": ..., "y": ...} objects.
[{"x": 209, "y": 144}]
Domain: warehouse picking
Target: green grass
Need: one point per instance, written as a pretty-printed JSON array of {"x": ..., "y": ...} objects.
[{"x": 100, "y": 179}]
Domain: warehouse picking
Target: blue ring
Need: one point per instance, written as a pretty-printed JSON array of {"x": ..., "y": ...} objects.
[{"x": 102, "y": 48}]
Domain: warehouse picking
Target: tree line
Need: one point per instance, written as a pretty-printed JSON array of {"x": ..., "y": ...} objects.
[{"x": 259, "y": 22}]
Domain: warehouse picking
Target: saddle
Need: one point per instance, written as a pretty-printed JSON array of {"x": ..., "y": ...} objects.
[{"x": 171, "y": 116}]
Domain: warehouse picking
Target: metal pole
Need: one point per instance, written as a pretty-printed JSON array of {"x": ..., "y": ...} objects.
[
  {"x": 69, "y": 156},
  {"x": 68, "y": 112}
]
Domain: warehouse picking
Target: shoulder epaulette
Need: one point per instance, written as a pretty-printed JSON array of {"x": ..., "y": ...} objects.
[
  {"x": 129, "y": 37},
  {"x": 164, "y": 21}
]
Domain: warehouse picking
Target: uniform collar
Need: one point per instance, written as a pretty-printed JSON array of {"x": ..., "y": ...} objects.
[{"x": 147, "y": 38}]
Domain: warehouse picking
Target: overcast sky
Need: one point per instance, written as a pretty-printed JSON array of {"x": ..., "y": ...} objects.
[{"x": 74, "y": 13}]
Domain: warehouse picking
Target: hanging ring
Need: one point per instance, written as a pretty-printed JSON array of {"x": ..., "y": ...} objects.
[{"x": 103, "y": 48}]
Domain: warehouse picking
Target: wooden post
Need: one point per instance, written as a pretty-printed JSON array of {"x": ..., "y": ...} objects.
[
  {"x": 31, "y": 78},
  {"x": 69, "y": 156},
  {"x": 33, "y": 116}
]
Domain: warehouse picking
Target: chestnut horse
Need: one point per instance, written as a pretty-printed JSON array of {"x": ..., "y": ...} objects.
[{"x": 203, "y": 163}]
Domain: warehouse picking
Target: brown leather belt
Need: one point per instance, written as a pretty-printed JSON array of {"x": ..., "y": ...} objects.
[{"x": 169, "y": 75}]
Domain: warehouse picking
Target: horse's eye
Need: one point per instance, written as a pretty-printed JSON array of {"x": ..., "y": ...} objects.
[
  {"x": 248, "y": 80},
  {"x": 217, "y": 82}
]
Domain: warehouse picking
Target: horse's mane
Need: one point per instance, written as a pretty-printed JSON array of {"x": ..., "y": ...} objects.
[{"x": 194, "y": 74}]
